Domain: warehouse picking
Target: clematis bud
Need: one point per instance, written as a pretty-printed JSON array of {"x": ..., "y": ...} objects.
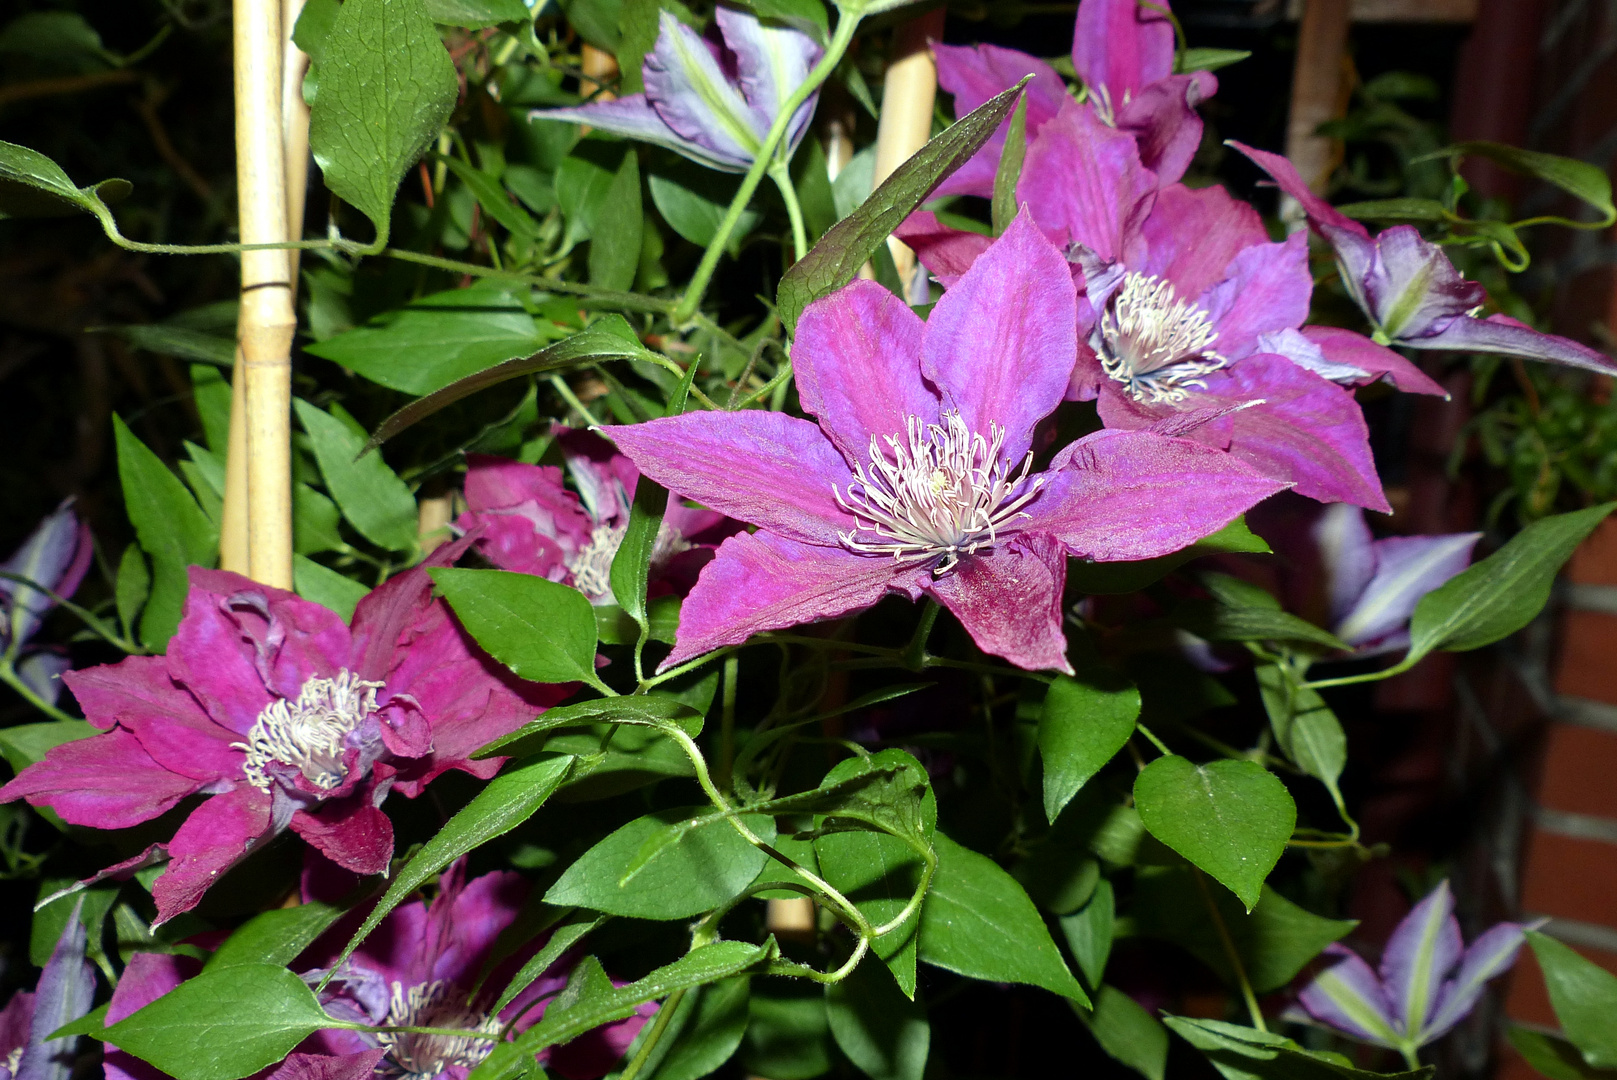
[
  {"x": 713, "y": 103},
  {"x": 55, "y": 555}
]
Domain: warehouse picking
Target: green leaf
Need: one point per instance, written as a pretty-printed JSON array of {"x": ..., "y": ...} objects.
[
  {"x": 275, "y": 937},
  {"x": 32, "y": 185},
  {"x": 788, "y": 1033},
  {"x": 615, "y": 238},
  {"x": 1219, "y": 622},
  {"x": 693, "y": 201},
  {"x": 1584, "y": 996},
  {"x": 223, "y": 1024},
  {"x": 371, "y": 495},
  {"x": 133, "y": 587},
  {"x": 846, "y": 246},
  {"x": 387, "y": 85},
  {"x": 1274, "y": 942},
  {"x": 1208, "y": 59},
  {"x": 492, "y": 197},
  {"x": 314, "y": 522},
  {"x": 713, "y": 1026},
  {"x": 879, "y": 873},
  {"x": 1085, "y": 721},
  {"x": 1553, "y": 1056},
  {"x": 881, "y": 1030},
  {"x": 631, "y": 566},
  {"x": 477, "y": 14},
  {"x": 1231, "y": 818},
  {"x": 543, "y": 631},
  {"x": 1243, "y": 1053},
  {"x": 171, "y": 528},
  {"x": 1501, "y": 594},
  {"x": 646, "y": 710},
  {"x": 184, "y": 342},
  {"x": 1089, "y": 932},
  {"x": 699, "y": 868},
  {"x": 27, "y": 744},
  {"x": 1578, "y": 178},
  {"x": 88, "y": 1024},
  {"x": 888, "y": 790},
  {"x": 326, "y": 587},
  {"x": 506, "y": 802},
  {"x": 440, "y": 339},
  {"x": 1396, "y": 210},
  {"x": 563, "y": 938},
  {"x": 978, "y": 922},
  {"x": 1100, "y": 579},
  {"x": 806, "y": 15},
  {"x": 1304, "y": 726},
  {"x": 1009, "y": 171},
  {"x": 610, "y": 338},
  {"x": 1127, "y": 1032},
  {"x": 596, "y": 22}
]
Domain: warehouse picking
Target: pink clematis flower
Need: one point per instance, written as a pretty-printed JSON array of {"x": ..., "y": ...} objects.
[
  {"x": 918, "y": 477},
  {"x": 530, "y": 523},
  {"x": 1124, "y": 53},
  {"x": 285, "y": 718}
]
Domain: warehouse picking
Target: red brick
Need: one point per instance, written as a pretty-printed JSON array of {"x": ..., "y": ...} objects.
[
  {"x": 1570, "y": 878},
  {"x": 1526, "y": 1000},
  {"x": 1578, "y": 770},
  {"x": 1512, "y": 1066},
  {"x": 1595, "y": 561},
  {"x": 1588, "y": 666}
]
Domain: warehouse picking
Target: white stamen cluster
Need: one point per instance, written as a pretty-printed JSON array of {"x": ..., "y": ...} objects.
[
  {"x": 1154, "y": 343},
  {"x": 1105, "y": 111},
  {"x": 435, "y": 1004},
  {"x": 309, "y": 733},
  {"x": 592, "y": 566},
  {"x": 943, "y": 495}
]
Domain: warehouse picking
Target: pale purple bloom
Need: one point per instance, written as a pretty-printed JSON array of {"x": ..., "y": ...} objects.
[
  {"x": 530, "y": 523},
  {"x": 1429, "y": 979},
  {"x": 56, "y": 555},
  {"x": 65, "y": 991},
  {"x": 1124, "y": 53},
  {"x": 917, "y": 480},
  {"x": 1411, "y": 292},
  {"x": 713, "y": 102},
  {"x": 286, "y": 717}
]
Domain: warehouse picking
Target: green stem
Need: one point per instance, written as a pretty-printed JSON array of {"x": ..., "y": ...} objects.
[
  {"x": 1231, "y": 953},
  {"x": 689, "y": 665},
  {"x": 10, "y": 678},
  {"x": 697, "y": 288},
  {"x": 567, "y": 395},
  {"x": 1370, "y": 676},
  {"x": 727, "y": 721},
  {"x": 1156, "y": 742},
  {"x": 659, "y": 1025},
  {"x": 914, "y": 656},
  {"x": 1411, "y": 1056},
  {"x": 794, "y": 211},
  {"x": 626, "y": 300},
  {"x": 779, "y": 379}
]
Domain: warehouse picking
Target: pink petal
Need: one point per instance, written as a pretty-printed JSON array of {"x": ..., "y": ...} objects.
[
  {"x": 1284, "y": 173},
  {"x": 133, "y": 688},
  {"x": 356, "y": 1066},
  {"x": 1009, "y": 601},
  {"x": 190, "y": 746},
  {"x": 1356, "y": 350},
  {"x": 857, "y": 338},
  {"x": 472, "y": 921},
  {"x": 106, "y": 781},
  {"x": 350, "y": 832},
  {"x": 1193, "y": 234},
  {"x": 975, "y": 73},
  {"x": 1000, "y": 344},
  {"x": 770, "y": 470},
  {"x": 1085, "y": 184},
  {"x": 1122, "y": 46},
  {"x": 385, "y": 618},
  {"x": 946, "y": 253},
  {"x": 1162, "y": 118},
  {"x": 216, "y": 836},
  {"x": 1267, "y": 289}
]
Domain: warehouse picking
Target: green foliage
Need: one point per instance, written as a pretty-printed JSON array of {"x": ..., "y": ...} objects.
[
  {"x": 1584, "y": 996},
  {"x": 881, "y": 1030},
  {"x": 539, "y": 629},
  {"x": 371, "y": 496},
  {"x": 1243, "y": 1053},
  {"x": 1085, "y": 721}
]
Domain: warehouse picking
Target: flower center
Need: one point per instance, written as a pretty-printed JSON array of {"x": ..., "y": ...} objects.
[
  {"x": 309, "y": 733},
  {"x": 592, "y": 566},
  {"x": 435, "y": 1004},
  {"x": 1105, "y": 111},
  {"x": 945, "y": 494},
  {"x": 1154, "y": 343}
]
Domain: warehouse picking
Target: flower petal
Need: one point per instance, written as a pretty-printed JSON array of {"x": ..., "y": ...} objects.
[
  {"x": 1423, "y": 949},
  {"x": 472, "y": 922},
  {"x": 1344, "y": 347},
  {"x": 1000, "y": 345},
  {"x": 856, "y": 358},
  {"x": 1193, "y": 234},
  {"x": 759, "y": 582},
  {"x": 135, "y": 687},
  {"x": 360, "y": 1065},
  {"x": 1085, "y": 184},
  {"x": 1267, "y": 289},
  {"x": 216, "y": 836},
  {"x": 1321, "y": 213},
  {"x": 1122, "y": 46},
  {"x": 1348, "y": 997},
  {"x": 946, "y": 253},
  {"x": 771, "y": 63},
  {"x": 1489, "y": 956},
  {"x": 1127, "y": 495},
  {"x": 1009, "y": 600},
  {"x": 689, "y": 90},
  {"x": 1163, "y": 120},
  {"x": 65, "y": 992},
  {"x": 633, "y": 117},
  {"x": 1407, "y": 568},
  {"x": 975, "y": 73},
  {"x": 1418, "y": 288},
  {"x": 605, "y": 479},
  {"x": 1347, "y": 554},
  {"x": 1504, "y": 335},
  {"x": 350, "y": 832},
  {"x": 770, "y": 470},
  {"x": 56, "y": 555},
  {"x": 106, "y": 781}
]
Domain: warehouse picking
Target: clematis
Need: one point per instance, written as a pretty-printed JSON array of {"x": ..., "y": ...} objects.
[
  {"x": 713, "y": 102},
  {"x": 918, "y": 479},
  {"x": 1410, "y": 291},
  {"x": 1428, "y": 980},
  {"x": 65, "y": 991},
  {"x": 1124, "y": 53},
  {"x": 285, "y": 718},
  {"x": 527, "y": 521},
  {"x": 56, "y": 555}
]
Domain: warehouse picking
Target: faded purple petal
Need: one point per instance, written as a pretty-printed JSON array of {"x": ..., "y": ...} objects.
[
  {"x": 1348, "y": 997},
  {"x": 975, "y": 73},
  {"x": 55, "y": 555},
  {"x": 946, "y": 253},
  {"x": 42, "y": 670},
  {"x": 764, "y": 468},
  {"x": 1347, "y": 554},
  {"x": 1000, "y": 344},
  {"x": 760, "y": 581},
  {"x": 350, "y": 832},
  {"x": 1407, "y": 568},
  {"x": 771, "y": 63},
  {"x": 1122, "y": 46},
  {"x": 850, "y": 343},
  {"x": 1193, "y": 234},
  {"x": 1502, "y": 334},
  {"x": 1126, "y": 495},
  {"x": 605, "y": 478},
  {"x": 1009, "y": 600},
  {"x": 1415, "y": 288},
  {"x": 633, "y": 117},
  {"x": 1489, "y": 956},
  {"x": 1084, "y": 183},
  {"x": 1423, "y": 949},
  {"x": 65, "y": 992},
  {"x": 1267, "y": 289},
  {"x": 689, "y": 90},
  {"x": 1310, "y": 357},
  {"x": 1346, "y": 348},
  {"x": 106, "y": 781},
  {"x": 1163, "y": 120},
  {"x": 216, "y": 836}
]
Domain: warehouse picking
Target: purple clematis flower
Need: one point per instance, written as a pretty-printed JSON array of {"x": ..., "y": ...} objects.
[
  {"x": 1124, "y": 53},
  {"x": 1410, "y": 291},
  {"x": 56, "y": 555},
  {"x": 918, "y": 477},
  {"x": 712, "y": 102},
  {"x": 65, "y": 991},
  {"x": 528, "y": 522},
  {"x": 287, "y": 718},
  {"x": 1428, "y": 981}
]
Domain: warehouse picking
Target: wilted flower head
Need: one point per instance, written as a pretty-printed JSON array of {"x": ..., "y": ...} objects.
[
  {"x": 712, "y": 101},
  {"x": 287, "y": 718},
  {"x": 65, "y": 991},
  {"x": 1429, "y": 979},
  {"x": 1410, "y": 291},
  {"x": 918, "y": 478}
]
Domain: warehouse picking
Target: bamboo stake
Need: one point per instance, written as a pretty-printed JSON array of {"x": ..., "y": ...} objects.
[
  {"x": 266, "y": 321},
  {"x": 909, "y": 90},
  {"x": 1316, "y": 96}
]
